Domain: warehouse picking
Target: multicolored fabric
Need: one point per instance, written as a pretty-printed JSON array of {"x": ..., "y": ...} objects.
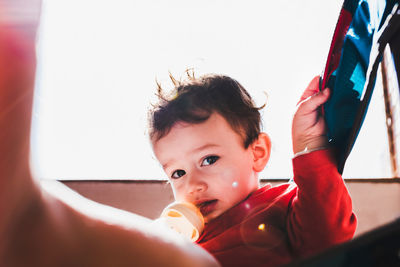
[{"x": 346, "y": 70}]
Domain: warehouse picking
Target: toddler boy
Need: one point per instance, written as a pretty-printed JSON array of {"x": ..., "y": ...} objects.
[{"x": 207, "y": 138}]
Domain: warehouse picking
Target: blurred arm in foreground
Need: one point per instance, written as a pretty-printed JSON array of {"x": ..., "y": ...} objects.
[{"x": 37, "y": 228}]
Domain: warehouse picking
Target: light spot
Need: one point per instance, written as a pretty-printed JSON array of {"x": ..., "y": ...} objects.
[
  {"x": 369, "y": 27},
  {"x": 235, "y": 184},
  {"x": 261, "y": 227},
  {"x": 247, "y": 206}
]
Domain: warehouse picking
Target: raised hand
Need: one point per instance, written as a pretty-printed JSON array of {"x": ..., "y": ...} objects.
[{"x": 308, "y": 126}]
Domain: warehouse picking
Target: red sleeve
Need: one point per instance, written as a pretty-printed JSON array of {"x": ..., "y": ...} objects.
[{"x": 321, "y": 213}]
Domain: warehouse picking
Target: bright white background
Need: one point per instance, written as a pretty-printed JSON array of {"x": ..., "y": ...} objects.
[{"x": 98, "y": 61}]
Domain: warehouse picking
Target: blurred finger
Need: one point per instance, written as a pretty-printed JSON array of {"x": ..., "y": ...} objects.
[{"x": 21, "y": 15}]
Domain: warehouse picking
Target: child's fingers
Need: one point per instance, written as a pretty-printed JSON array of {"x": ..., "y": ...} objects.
[
  {"x": 312, "y": 88},
  {"x": 314, "y": 101}
]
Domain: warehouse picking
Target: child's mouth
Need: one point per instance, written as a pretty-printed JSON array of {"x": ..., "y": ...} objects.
[{"x": 207, "y": 207}]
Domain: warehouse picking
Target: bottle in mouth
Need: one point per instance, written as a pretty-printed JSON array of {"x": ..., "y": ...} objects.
[{"x": 185, "y": 218}]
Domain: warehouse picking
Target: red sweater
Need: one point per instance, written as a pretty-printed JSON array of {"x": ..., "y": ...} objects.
[{"x": 276, "y": 225}]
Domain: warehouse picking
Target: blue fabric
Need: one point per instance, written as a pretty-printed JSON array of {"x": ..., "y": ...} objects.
[{"x": 348, "y": 80}]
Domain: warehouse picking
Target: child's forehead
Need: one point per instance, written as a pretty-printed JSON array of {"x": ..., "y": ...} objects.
[
  {"x": 215, "y": 122},
  {"x": 216, "y": 127}
]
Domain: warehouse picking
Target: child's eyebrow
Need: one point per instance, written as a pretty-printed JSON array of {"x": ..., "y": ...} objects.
[
  {"x": 195, "y": 150},
  {"x": 203, "y": 147},
  {"x": 166, "y": 165}
]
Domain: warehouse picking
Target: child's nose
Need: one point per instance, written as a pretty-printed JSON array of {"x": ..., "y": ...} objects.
[{"x": 196, "y": 184}]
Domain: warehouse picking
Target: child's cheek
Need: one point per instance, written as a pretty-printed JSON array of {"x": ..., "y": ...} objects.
[
  {"x": 228, "y": 177},
  {"x": 177, "y": 189}
]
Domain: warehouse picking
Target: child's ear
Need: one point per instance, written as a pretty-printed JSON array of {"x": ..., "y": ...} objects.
[{"x": 261, "y": 151}]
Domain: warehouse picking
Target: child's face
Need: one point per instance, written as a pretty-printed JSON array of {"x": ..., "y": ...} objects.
[{"x": 207, "y": 165}]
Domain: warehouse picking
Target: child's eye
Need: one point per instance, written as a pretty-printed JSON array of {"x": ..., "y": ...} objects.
[
  {"x": 178, "y": 174},
  {"x": 209, "y": 160}
]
